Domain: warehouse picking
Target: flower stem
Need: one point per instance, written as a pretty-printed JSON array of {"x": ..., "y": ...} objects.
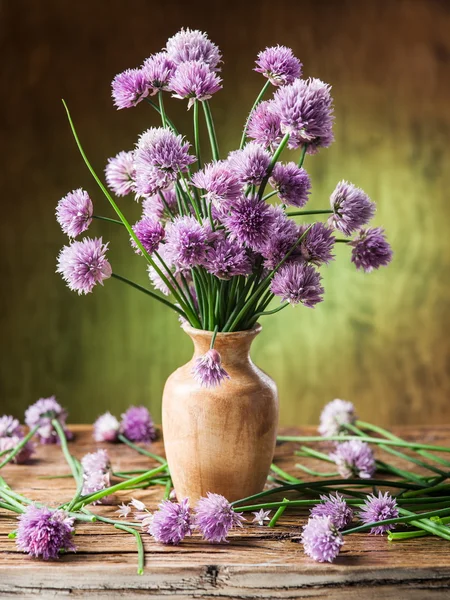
[
  {"x": 100, "y": 218},
  {"x": 370, "y": 440},
  {"x": 316, "y": 473},
  {"x": 273, "y": 162},
  {"x": 197, "y": 135},
  {"x": 168, "y": 121},
  {"x": 257, "y": 101},
  {"x": 407, "y": 535},
  {"x": 74, "y": 465},
  {"x": 168, "y": 489},
  {"x": 269, "y": 195},
  {"x": 12, "y": 508},
  {"x": 284, "y": 475},
  {"x": 279, "y": 512},
  {"x": 341, "y": 241},
  {"x": 295, "y": 213},
  {"x": 269, "y": 312},
  {"x": 129, "y": 443},
  {"x": 140, "y": 545},
  {"x": 19, "y": 446},
  {"x": 301, "y": 159},
  {"x": 162, "y": 112},
  {"x": 211, "y": 130}
]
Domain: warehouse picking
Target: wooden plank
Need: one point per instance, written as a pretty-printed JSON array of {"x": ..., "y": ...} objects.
[{"x": 256, "y": 563}]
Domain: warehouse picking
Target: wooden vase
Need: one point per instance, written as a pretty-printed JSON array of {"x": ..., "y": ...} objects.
[{"x": 222, "y": 439}]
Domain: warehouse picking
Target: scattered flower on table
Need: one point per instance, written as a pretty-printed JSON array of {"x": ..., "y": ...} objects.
[
  {"x": 354, "y": 459},
  {"x": 379, "y": 508},
  {"x": 10, "y": 427},
  {"x": 261, "y": 516},
  {"x": 124, "y": 510},
  {"x": 352, "y": 208},
  {"x": 74, "y": 212},
  {"x": 208, "y": 370},
  {"x": 214, "y": 517},
  {"x": 11, "y": 442},
  {"x": 171, "y": 523},
  {"x": 106, "y": 428},
  {"x": 137, "y": 425},
  {"x": 120, "y": 173},
  {"x": 321, "y": 539},
  {"x": 370, "y": 249},
  {"x": 279, "y": 65},
  {"x": 41, "y": 413},
  {"x": 96, "y": 481},
  {"x": 96, "y": 461},
  {"x": 335, "y": 507},
  {"x": 44, "y": 533},
  {"x": 335, "y": 416},
  {"x": 137, "y": 504},
  {"x": 84, "y": 264}
]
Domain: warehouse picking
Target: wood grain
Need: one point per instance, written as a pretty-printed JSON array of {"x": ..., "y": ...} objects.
[
  {"x": 257, "y": 562},
  {"x": 380, "y": 340}
]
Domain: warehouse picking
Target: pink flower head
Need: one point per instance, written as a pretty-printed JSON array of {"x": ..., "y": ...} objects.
[
  {"x": 11, "y": 442},
  {"x": 215, "y": 517},
  {"x": 137, "y": 424},
  {"x": 298, "y": 283},
  {"x": 158, "y": 70},
  {"x": 334, "y": 416},
  {"x": 292, "y": 184},
  {"x": 251, "y": 222},
  {"x": 284, "y": 233},
  {"x": 321, "y": 539},
  {"x": 106, "y": 428},
  {"x": 9, "y": 427},
  {"x": 155, "y": 208},
  {"x": 171, "y": 523},
  {"x": 129, "y": 88},
  {"x": 196, "y": 81},
  {"x": 221, "y": 183},
  {"x": 187, "y": 242},
  {"x": 96, "y": 481},
  {"x": 335, "y": 507},
  {"x": 192, "y": 44},
  {"x": 41, "y": 413},
  {"x": 96, "y": 461},
  {"x": 74, "y": 212},
  {"x": 317, "y": 245},
  {"x": 226, "y": 258},
  {"x": 279, "y": 65},
  {"x": 354, "y": 459},
  {"x": 43, "y": 533},
  {"x": 208, "y": 370},
  {"x": 150, "y": 233},
  {"x": 264, "y": 126},
  {"x": 84, "y": 264},
  {"x": 352, "y": 208},
  {"x": 370, "y": 249},
  {"x": 120, "y": 173},
  {"x": 250, "y": 163},
  {"x": 379, "y": 508}
]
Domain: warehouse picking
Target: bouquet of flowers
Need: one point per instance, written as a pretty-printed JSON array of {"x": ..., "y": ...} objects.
[{"x": 217, "y": 251}]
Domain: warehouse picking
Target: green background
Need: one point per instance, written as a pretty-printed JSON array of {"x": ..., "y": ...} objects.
[{"x": 380, "y": 340}]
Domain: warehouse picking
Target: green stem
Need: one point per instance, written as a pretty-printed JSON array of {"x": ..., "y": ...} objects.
[
  {"x": 408, "y": 535},
  {"x": 74, "y": 465},
  {"x": 255, "y": 104},
  {"x": 295, "y": 213},
  {"x": 370, "y": 440},
  {"x": 211, "y": 130},
  {"x": 269, "y": 312},
  {"x": 341, "y": 241},
  {"x": 305, "y": 451},
  {"x": 284, "y": 475},
  {"x": 269, "y": 195},
  {"x": 197, "y": 135},
  {"x": 316, "y": 473},
  {"x": 136, "y": 286},
  {"x": 279, "y": 513},
  {"x": 12, "y": 508},
  {"x": 162, "y": 112},
  {"x": 301, "y": 159},
  {"x": 140, "y": 545},
  {"x": 126, "y": 441},
  {"x": 168, "y": 121},
  {"x": 272, "y": 164},
  {"x": 115, "y": 221},
  {"x": 19, "y": 446},
  {"x": 168, "y": 489},
  {"x": 428, "y": 489}
]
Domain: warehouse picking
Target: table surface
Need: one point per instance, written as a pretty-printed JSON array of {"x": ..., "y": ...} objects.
[{"x": 258, "y": 562}]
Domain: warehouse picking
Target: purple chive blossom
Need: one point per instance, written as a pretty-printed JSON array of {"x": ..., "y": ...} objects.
[
  {"x": 261, "y": 516},
  {"x": 74, "y": 212},
  {"x": 208, "y": 370},
  {"x": 379, "y": 508},
  {"x": 226, "y": 259},
  {"x": 120, "y": 173},
  {"x": 137, "y": 425},
  {"x": 159, "y": 156},
  {"x": 334, "y": 507},
  {"x": 264, "y": 126},
  {"x": 282, "y": 238},
  {"x": 352, "y": 208},
  {"x": 106, "y": 428},
  {"x": 96, "y": 462},
  {"x": 9, "y": 427},
  {"x": 298, "y": 283},
  {"x": 321, "y": 539},
  {"x": 279, "y": 65},
  {"x": 84, "y": 264},
  {"x": 305, "y": 110},
  {"x": 354, "y": 459},
  {"x": 292, "y": 184},
  {"x": 220, "y": 182},
  {"x": 251, "y": 222},
  {"x": 11, "y": 442},
  {"x": 196, "y": 81},
  {"x": 155, "y": 208},
  {"x": 186, "y": 242},
  {"x": 192, "y": 44},
  {"x": 250, "y": 163},
  {"x": 335, "y": 416},
  {"x": 41, "y": 413},
  {"x": 150, "y": 233},
  {"x": 214, "y": 517},
  {"x": 44, "y": 533},
  {"x": 129, "y": 88},
  {"x": 370, "y": 249},
  {"x": 317, "y": 245},
  {"x": 158, "y": 69},
  {"x": 171, "y": 523},
  {"x": 96, "y": 481}
]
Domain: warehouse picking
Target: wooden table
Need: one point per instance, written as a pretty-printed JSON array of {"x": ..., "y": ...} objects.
[{"x": 257, "y": 562}]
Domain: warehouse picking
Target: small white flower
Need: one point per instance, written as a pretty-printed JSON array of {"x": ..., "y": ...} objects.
[
  {"x": 261, "y": 516},
  {"x": 123, "y": 510},
  {"x": 137, "y": 504}
]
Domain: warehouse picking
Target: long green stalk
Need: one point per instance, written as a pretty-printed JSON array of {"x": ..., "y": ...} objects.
[
  {"x": 272, "y": 164},
  {"x": 370, "y": 440},
  {"x": 140, "y": 546},
  {"x": 257, "y": 101},
  {"x": 136, "y": 286},
  {"x": 131, "y": 444},
  {"x": 296, "y": 213},
  {"x": 211, "y": 130},
  {"x": 197, "y": 135}
]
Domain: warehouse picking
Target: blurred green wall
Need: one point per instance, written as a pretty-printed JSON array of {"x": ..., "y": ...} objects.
[{"x": 380, "y": 340}]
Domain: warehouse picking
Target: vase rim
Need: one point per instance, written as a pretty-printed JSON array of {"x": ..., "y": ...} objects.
[{"x": 222, "y": 334}]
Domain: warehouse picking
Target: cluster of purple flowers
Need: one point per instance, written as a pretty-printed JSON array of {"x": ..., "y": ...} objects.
[
  {"x": 96, "y": 474},
  {"x": 11, "y": 434},
  {"x": 204, "y": 225},
  {"x": 41, "y": 413},
  {"x": 136, "y": 425}
]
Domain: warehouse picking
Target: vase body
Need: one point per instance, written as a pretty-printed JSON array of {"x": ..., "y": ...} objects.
[{"x": 220, "y": 439}]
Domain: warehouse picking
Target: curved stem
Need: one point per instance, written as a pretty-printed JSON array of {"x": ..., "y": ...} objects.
[
  {"x": 283, "y": 506},
  {"x": 341, "y": 241},
  {"x": 129, "y": 443},
  {"x": 168, "y": 121},
  {"x": 296, "y": 213},
  {"x": 257, "y": 101},
  {"x": 211, "y": 130},
  {"x": 140, "y": 546},
  {"x": 149, "y": 293},
  {"x": 272, "y": 164},
  {"x": 100, "y": 218},
  {"x": 270, "y": 312},
  {"x": 269, "y": 195},
  {"x": 301, "y": 160}
]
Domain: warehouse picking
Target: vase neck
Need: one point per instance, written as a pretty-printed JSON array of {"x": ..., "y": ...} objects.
[{"x": 233, "y": 347}]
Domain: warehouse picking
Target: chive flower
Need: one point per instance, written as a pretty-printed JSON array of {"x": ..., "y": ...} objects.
[
  {"x": 106, "y": 428},
  {"x": 43, "y": 533},
  {"x": 83, "y": 264},
  {"x": 264, "y": 126},
  {"x": 171, "y": 523},
  {"x": 298, "y": 283},
  {"x": 334, "y": 416},
  {"x": 370, "y": 249},
  {"x": 41, "y": 413},
  {"x": 192, "y": 44},
  {"x": 194, "y": 80},
  {"x": 321, "y": 539},
  {"x": 279, "y": 65},
  {"x": 292, "y": 184},
  {"x": 208, "y": 370},
  {"x": 158, "y": 70},
  {"x": 379, "y": 508},
  {"x": 336, "y": 508},
  {"x": 120, "y": 173},
  {"x": 129, "y": 88},
  {"x": 137, "y": 424},
  {"x": 214, "y": 517},
  {"x": 354, "y": 459},
  {"x": 74, "y": 212},
  {"x": 352, "y": 208}
]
